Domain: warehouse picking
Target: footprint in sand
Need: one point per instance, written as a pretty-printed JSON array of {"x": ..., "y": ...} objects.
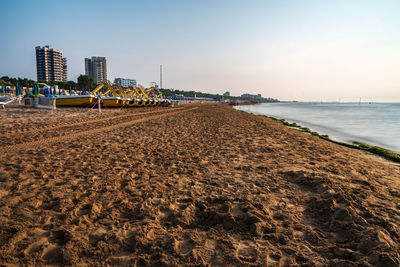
[
  {"x": 123, "y": 260},
  {"x": 97, "y": 235},
  {"x": 246, "y": 251},
  {"x": 184, "y": 247},
  {"x": 273, "y": 259},
  {"x": 237, "y": 211},
  {"x": 52, "y": 254},
  {"x": 44, "y": 248},
  {"x": 209, "y": 252},
  {"x": 36, "y": 246}
]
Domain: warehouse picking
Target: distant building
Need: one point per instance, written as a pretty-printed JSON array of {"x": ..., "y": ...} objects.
[
  {"x": 50, "y": 64},
  {"x": 227, "y": 94},
  {"x": 125, "y": 82},
  {"x": 96, "y": 67},
  {"x": 64, "y": 67},
  {"x": 250, "y": 96}
]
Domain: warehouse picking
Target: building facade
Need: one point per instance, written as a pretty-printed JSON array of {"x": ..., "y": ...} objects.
[
  {"x": 250, "y": 96},
  {"x": 50, "y": 64},
  {"x": 64, "y": 67},
  {"x": 96, "y": 67},
  {"x": 125, "y": 82}
]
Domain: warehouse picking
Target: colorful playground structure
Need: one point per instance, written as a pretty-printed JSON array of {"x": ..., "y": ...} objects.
[{"x": 105, "y": 95}]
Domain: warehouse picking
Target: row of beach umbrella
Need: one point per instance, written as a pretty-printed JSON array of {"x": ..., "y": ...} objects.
[
  {"x": 5, "y": 90},
  {"x": 36, "y": 90}
]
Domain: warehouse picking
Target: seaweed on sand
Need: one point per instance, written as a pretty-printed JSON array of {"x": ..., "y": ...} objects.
[{"x": 380, "y": 151}]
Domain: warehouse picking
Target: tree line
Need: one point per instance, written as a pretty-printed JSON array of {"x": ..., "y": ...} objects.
[
  {"x": 84, "y": 82},
  {"x": 173, "y": 92}
]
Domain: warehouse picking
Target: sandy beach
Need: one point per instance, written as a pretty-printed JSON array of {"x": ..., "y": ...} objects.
[{"x": 193, "y": 185}]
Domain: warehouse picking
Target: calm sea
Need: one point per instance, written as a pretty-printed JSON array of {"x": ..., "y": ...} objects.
[{"x": 375, "y": 123}]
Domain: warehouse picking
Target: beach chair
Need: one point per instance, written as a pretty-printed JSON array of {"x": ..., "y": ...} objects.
[{"x": 4, "y": 100}]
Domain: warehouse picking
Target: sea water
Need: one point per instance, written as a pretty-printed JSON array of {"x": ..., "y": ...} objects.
[{"x": 373, "y": 123}]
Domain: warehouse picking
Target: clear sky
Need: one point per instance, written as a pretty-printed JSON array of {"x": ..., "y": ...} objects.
[{"x": 286, "y": 49}]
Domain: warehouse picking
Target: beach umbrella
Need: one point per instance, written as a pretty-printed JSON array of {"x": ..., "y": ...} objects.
[
  {"x": 2, "y": 88},
  {"x": 70, "y": 90},
  {"x": 55, "y": 90},
  {"x": 16, "y": 89}
]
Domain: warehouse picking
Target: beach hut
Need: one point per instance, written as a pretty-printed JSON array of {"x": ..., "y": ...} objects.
[{"x": 29, "y": 100}]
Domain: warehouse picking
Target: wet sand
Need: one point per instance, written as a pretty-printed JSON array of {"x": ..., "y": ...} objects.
[{"x": 188, "y": 186}]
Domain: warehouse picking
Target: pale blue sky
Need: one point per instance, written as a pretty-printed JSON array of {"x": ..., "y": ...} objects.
[{"x": 303, "y": 50}]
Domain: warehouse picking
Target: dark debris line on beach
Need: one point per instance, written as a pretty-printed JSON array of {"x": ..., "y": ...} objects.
[{"x": 380, "y": 151}]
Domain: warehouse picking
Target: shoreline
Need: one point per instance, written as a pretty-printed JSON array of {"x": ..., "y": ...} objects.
[{"x": 376, "y": 150}]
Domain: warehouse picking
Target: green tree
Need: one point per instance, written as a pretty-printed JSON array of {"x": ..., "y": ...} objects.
[
  {"x": 85, "y": 82},
  {"x": 71, "y": 84}
]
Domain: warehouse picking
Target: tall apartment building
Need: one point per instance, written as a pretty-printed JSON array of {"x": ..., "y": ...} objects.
[
  {"x": 125, "y": 82},
  {"x": 50, "y": 64},
  {"x": 64, "y": 66},
  {"x": 96, "y": 67}
]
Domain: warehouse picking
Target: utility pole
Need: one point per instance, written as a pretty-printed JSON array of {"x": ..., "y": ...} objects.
[{"x": 161, "y": 77}]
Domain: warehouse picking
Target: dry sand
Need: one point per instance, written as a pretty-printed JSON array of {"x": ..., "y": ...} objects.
[{"x": 188, "y": 186}]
